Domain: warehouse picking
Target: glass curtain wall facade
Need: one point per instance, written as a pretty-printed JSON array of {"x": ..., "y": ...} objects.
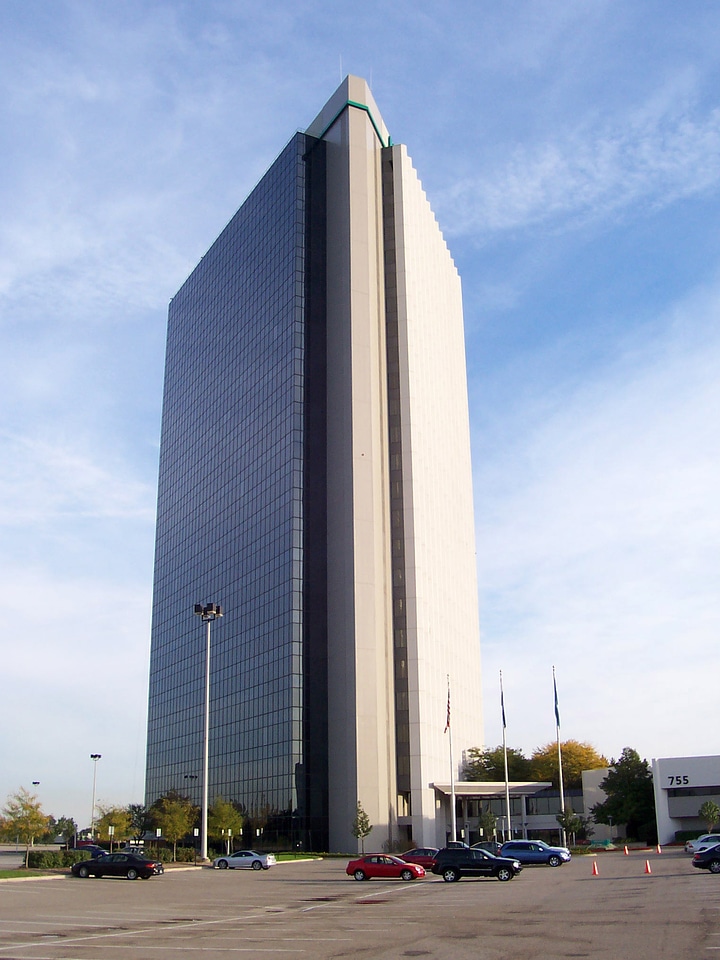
[{"x": 236, "y": 493}]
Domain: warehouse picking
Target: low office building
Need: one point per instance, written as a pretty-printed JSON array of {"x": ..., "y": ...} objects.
[
  {"x": 534, "y": 807},
  {"x": 682, "y": 785},
  {"x": 533, "y": 810}
]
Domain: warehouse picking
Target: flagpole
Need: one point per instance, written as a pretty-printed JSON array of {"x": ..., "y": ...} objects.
[
  {"x": 448, "y": 730},
  {"x": 559, "y": 749},
  {"x": 507, "y": 781}
]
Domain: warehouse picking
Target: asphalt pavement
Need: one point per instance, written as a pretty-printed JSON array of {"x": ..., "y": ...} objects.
[{"x": 313, "y": 910}]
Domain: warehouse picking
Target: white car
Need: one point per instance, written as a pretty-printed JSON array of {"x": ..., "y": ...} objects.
[
  {"x": 702, "y": 843},
  {"x": 245, "y": 860}
]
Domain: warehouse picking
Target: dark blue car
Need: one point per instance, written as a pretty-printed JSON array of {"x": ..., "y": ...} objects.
[{"x": 535, "y": 851}]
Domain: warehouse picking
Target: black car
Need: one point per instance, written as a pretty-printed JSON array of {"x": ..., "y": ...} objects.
[
  {"x": 129, "y": 865},
  {"x": 456, "y": 862},
  {"x": 708, "y": 859}
]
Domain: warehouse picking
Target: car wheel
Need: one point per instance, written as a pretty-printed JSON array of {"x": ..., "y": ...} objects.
[
  {"x": 359, "y": 874},
  {"x": 222, "y": 864},
  {"x": 714, "y": 866},
  {"x": 83, "y": 872},
  {"x": 451, "y": 875},
  {"x": 504, "y": 873},
  {"x": 554, "y": 861},
  {"x": 132, "y": 874},
  {"x": 257, "y": 865},
  {"x": 407, "y": 875}
]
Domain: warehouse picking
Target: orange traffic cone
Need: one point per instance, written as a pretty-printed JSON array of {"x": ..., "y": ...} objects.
[
  {"x": 658, "y": 849},
  {"x": 647, "y": 867},
  {"x": 625, "y": 851},
  {"x": 595, "y": 871}
]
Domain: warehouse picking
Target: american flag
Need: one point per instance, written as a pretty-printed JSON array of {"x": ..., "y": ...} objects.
[{"x": 447, "y": 721}]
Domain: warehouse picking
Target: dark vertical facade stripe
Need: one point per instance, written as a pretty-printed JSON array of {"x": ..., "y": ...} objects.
[
  {"x": 315, "y": 677},
  {"x": 397, "y": 518}
]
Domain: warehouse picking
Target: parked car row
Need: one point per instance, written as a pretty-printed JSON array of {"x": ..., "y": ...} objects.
[
  {"x": 452, "y": 863},
  {"x": 457, "y": 860}
]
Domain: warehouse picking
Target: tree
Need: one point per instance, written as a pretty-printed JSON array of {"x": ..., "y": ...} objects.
[
  {"x": 175, "y": 815},
  {"x": 576, "y": 757},
  {"x": 487, "y": 821},
  {"x": 139, "y": 819},
  {"x": 116, "y": 817},
  {"x": 571, "y": 823},
  {"x": 361, "y": 825},
  {"x": 630, "y": 796},
  {"x": 50, "y": 832},
  {"x": 489, "y": 765},
  {"x": 23, "y": 818},
  {"x": 710, "y": 813},
  {"x": 224, "y": 821},
  {"x": 66, "y": 828}
]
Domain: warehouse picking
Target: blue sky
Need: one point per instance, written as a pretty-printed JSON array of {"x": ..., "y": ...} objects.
[{"x": 571, "y": 151}]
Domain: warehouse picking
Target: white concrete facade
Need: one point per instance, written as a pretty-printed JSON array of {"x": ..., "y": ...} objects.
[
  {"x": 682, "y": 785},
  {"x": 441, "y": 591},
  {"x": 438, "y": 523}
]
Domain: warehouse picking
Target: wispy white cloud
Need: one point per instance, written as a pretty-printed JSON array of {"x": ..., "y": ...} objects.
[
  {"x": 43, "y": 481},
  {"x": 646, "y": 161}
]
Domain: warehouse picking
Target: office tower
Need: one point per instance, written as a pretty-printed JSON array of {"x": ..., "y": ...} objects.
[{"x": 315, "y": 480}]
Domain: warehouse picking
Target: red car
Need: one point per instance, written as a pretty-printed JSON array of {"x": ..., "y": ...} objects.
[
  {"x": 422, "y": 855},
  {"x": 384, "y": 867}
]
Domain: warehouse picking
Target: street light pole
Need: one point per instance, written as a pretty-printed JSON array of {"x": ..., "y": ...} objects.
[
  {"x": 207, "y": 613},
  {"x": 94, "y": 757}
]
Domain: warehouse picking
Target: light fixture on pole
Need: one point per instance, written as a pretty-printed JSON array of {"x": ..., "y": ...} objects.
[
  {"x": 208, "y": 613},
  {"x": 94, "y": 757}
]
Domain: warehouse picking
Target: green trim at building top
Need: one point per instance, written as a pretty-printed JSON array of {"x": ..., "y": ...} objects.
[{"x": 358, "y": 106}]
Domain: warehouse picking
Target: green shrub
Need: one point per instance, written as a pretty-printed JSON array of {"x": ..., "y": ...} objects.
[
  {"x": 164, "y": 854},
  {"x": 55, "y": 859},
  {"x": 186, "y": 854},
  {"x": 43, "y": 859}
]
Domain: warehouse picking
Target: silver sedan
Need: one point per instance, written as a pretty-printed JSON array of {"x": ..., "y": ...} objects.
[{"x": 245, "y": 860}]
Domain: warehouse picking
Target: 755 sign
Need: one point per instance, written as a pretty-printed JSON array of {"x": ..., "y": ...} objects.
[{"x": 679, "y": 781}]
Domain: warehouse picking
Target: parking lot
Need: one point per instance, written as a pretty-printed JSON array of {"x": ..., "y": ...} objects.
[{"x": 314, "y": 910}]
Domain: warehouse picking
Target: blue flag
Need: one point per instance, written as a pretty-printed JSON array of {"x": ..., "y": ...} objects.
[
  {"x": 557, "y": 708},
  {"x": 502, "y": 702}
]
